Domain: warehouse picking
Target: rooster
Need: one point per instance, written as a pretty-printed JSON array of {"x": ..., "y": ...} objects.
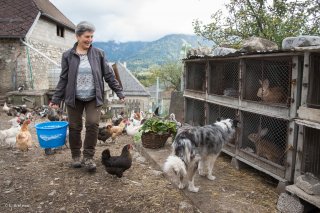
[
  {"x": 116, "y": 165},
  {"x": 23, "y": 138}
]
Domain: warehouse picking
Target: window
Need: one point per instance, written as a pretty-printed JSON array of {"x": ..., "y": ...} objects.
[{"x": 60, "y": 31}]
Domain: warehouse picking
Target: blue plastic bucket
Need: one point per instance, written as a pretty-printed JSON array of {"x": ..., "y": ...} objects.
[{"x": 52, "y": 134}]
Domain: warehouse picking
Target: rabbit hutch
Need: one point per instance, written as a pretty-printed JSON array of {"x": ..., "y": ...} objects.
[
  {"x": 262, "y": 91},
  {"x": 308, "y": 138}
]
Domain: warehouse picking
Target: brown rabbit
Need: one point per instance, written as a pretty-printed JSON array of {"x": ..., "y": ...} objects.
[
  {"x": 270, "y": 94},
  {"x": 265, "y": 148}
]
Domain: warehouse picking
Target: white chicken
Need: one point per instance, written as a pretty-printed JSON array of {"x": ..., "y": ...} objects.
[
  {"x": 131, "y": 129},
  {"x": 135, "y": 118},
  {"x": 172, "y": 117},
  {"x": 8, "y": 136},
  {"x": 5, "y": 107}
]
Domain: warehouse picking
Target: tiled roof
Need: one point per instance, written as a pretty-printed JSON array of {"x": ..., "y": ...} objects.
[
  {"x": 49, "y": 10},
  {"x": 17, "y": 16},
  {"x": 131, "y": 85}
]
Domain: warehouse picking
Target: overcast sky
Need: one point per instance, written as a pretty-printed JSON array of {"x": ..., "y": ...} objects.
[{"x": 138, "y": 20}]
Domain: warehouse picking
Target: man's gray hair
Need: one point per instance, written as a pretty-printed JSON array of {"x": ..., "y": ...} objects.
[{"x": 84, "y": 26}]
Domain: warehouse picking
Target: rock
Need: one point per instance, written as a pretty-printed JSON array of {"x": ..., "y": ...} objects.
[
  {"x": 256, "y": 44},
  {"x": 221, "y": 51},
  {"x": 309, "y": 183},
  {"x": 136, "y": 155},
  {"x": 156, "y": 172},
  {"x": 62, "y": 209},
  {"x": 185, "y": 207},
  {"x": 141, "y": 159},
  {"x": 289, "y": 204},
  {"x": 8, "y": 191},
  {"x": 287, "y": 43},
  {"x": 200, "y": 51},
  {"x": 300, "y": 41},
  {"x": 306, "y": 41},
  {"x": 7, "y": 182},
  {"x": 52, "y": 193}
]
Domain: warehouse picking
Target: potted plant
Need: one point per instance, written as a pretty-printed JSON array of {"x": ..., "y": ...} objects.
[{"x": 155, "y": 132}]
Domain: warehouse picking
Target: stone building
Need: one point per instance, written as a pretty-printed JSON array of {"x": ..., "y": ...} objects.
[
  {"x": 33, "y": 36},
  {"x": 137, "y": 97}
]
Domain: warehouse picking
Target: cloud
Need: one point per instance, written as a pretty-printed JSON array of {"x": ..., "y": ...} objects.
[{"x": 132, "y": 20}]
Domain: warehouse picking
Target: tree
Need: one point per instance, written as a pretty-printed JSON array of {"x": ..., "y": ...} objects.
[
  {"x": 169, "y": 74},
  {"x": 273, "y": 20}
]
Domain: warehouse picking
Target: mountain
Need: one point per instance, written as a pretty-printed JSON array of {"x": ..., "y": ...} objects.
[{"x": 140, "y": 55}]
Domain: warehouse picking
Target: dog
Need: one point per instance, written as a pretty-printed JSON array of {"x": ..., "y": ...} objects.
[{"x": 195, "y": 148}]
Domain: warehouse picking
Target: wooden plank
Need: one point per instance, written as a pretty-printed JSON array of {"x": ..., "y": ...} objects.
[
  {"x": 308, "y": 123},
  {"x": 305, "y": 79},
  {"x": 313, "y": 199},
  {"x": 310, "y": 48},
  {"x": 309, "y": 114},
  {"x": 292, "y": 135},
  {"x": 116, "y": 73}
]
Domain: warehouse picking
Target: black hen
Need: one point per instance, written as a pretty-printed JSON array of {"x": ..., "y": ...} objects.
[
  {"x": 116, "y": 165},
  {"x": 156, "y": 112},
  {"x": 103, "y": 134}
]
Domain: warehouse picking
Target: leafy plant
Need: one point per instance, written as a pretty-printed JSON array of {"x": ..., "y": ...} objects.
[{"x": 159, "y": 126}]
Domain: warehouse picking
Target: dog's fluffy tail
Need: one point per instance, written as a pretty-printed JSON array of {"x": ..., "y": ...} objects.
[{"x": 175, "y": 164}]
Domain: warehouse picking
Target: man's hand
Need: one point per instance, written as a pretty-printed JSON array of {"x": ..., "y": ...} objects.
[
  {"x": 53, "y": 105},
  {"x": 122, "y": 100}
]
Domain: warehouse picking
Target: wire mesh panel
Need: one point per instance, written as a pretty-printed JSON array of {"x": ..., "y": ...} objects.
[
  {"x": 313, "y": 99},
  {"x": 265, "y": 137},
  {"x": 196, "y": 76},
  {"x": 224, "y": 77},
  {"x": 195, "y": 112},
  {"x": 53, "y": 75},
  {"x": 267, "y": 80},
  {"x": 311, "y": 150},
  {"x": 222, "y": 112}
]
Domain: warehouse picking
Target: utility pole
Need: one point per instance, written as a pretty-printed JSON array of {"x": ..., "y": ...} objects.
[{"x": 157, "y": 92}]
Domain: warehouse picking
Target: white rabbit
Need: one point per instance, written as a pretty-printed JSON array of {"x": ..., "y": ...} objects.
[
  {"x": 266, "y": 148},
  {"x": 270, "y": 94}
]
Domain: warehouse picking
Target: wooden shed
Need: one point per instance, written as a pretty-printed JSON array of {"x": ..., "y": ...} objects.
[{"x": 229, "y": 87}]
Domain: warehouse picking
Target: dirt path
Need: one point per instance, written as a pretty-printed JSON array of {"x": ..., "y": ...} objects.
[{"x": 35, "y": 182}]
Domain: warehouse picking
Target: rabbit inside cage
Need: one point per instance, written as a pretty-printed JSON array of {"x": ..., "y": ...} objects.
[
  {"x": 264, "y": 136},
  {"x": 267, "y": 80}
]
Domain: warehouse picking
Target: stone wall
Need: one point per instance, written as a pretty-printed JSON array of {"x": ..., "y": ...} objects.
[
  {"x": 44, "y": 38},
  {"x": 14, "y": 57},
  {"x": 13, "y": 65}
]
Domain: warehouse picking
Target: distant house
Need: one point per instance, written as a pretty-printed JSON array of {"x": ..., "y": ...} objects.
[
  {"x": 33, "y": 36},
  {"x": 164, "y": 98},
  {"x": 137, "y": 97}
]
